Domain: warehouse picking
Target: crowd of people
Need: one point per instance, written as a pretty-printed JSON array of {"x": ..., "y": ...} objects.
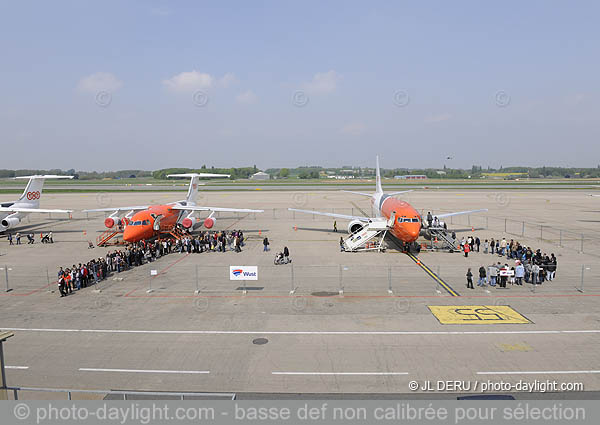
[
  {"x": 528, "y": 266},
  {"x": 132, "y": 255}
]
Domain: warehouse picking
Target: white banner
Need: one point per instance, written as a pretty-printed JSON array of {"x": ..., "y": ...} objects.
[{"x": 243, "y": 272}]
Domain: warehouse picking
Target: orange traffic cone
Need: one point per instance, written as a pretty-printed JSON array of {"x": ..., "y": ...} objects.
[
  {"x": 295, "y": 227},
  {"x": 259, "y": 232}
]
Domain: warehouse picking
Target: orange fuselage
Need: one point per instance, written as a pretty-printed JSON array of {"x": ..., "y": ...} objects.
[
  {"x": 408, "y": 221},
  {"x": 141, "y": 225}
]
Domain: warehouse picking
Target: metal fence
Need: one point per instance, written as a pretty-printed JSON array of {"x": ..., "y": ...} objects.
[
  {"x": 297, "y": 279},
  {"x": 34, "y": 393}
]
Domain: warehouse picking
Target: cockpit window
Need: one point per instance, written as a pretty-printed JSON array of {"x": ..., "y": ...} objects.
[{"x": 407, "y": 220}]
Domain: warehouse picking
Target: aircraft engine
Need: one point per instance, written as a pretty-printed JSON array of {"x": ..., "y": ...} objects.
[
  {"x": 210, "y": 222},
  {"x": 110, "y": 222},
  {"x": 189, "y": 222},
  {"x": 355, "y": 226},
  {"x": 10, "y": 221}
]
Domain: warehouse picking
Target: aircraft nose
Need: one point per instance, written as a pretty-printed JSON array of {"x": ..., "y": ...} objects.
[
  {"x": 413, "y": 232},
  {"x": 129, "y": 234}
]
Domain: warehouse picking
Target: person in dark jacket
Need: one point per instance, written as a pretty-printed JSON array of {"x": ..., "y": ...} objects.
[
  {"x": 469, "y": 279},
  {"x": 482, "y": 276},
  {"x": 286, "y": 252}
]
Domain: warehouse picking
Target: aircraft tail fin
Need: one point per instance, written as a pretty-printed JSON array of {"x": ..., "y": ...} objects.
[
  {"x": 33, "y": 191},
  {"x": 193, "y": 188},
  {"x": 378, "y": 187},
  {"x": 192, "y": 193}
]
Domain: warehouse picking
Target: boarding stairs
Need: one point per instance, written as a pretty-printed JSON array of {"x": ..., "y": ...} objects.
[
  {"x": 440, "y": 235},
  {"x": 371, "y": 236},
  {"x": 172, "y": 232},
  {"x": 107, "y": 238}
]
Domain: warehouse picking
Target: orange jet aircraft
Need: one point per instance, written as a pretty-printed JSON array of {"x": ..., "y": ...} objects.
[
  {"x": 408, "y": 223},
  {"x": 147, "y": 221}
]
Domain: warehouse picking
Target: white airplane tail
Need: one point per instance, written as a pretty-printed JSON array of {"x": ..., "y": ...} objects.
[
  {"x": 192, "y": 193},
  {"x": 33, "y": 191},
  {"x": 378, "y": 187}
]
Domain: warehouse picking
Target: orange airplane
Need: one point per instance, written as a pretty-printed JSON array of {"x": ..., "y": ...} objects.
[
  {"x": 147, "y": 221},
  {"x": 408, "y": 223}
]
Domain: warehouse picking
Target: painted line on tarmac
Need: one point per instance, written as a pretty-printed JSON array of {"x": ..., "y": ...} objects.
[
  {"x": 30, "y": 292},
  {"x": 434, "y": 276},
  {"x": 383, "y": 333},
  {"x": 341, "y": 373},
  {"x": 540, "y": 372},
  {"x": 17, "y": 367},
  {"x": 182, "y": 372},
  {"x": 350, "y": 296}
]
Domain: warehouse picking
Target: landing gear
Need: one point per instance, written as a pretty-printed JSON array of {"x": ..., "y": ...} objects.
[{"x": 412, "y": 247}]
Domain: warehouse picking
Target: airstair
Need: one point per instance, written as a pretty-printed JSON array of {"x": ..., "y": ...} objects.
[
  {"x": 106, "y": 238},
  {"x": 177, "y": 233},
  {"x": 440, "y": 235},
  {"x": 371, "y": 236}
]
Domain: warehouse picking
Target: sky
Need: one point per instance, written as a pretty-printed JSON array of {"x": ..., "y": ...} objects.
[{"x": 110, "y": 85}]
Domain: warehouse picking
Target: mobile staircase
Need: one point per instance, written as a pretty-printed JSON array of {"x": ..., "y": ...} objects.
[
  {"x": 107, "y": 238},
  {"x": 442, "y": 237},
  {"x": 371, "y": 236}
]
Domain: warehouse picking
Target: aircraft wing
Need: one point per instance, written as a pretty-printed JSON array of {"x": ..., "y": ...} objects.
[
  {"x": 398, "y": 193},
  {"x": 459, "y": 213},
  {"x": 218, "y": 209},
  {"x": 32, "y": 210},
  {"x": 341, "y": 216},
  {"x": 358, "y": 193},
  {"x": 116, "y": 209}
]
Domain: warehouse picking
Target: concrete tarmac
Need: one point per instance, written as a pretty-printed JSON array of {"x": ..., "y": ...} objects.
[{"x": 354, "y": 323}]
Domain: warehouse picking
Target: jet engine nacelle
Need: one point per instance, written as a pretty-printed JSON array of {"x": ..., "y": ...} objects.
[
  {"x": 188, "y": 222},
  {"x": 10, "y": 221},
  {"x": 110, "y": 222},
  {"x": 355, "y": 226},
  {"x": 209, "y": 222}
]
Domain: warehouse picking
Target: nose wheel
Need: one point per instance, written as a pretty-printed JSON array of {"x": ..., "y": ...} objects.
[{"x": 412, "y": 247}]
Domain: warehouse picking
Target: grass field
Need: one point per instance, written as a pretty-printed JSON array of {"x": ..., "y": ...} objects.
[{"x": 119, "y": 185}]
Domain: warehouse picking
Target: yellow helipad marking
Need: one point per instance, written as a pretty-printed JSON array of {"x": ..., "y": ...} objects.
[{"x": 477, "y": 315}]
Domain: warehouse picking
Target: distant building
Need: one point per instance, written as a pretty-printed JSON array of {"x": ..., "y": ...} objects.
[
  {"x": 411, "y": 177},
  {"x": 260, "y": 176}
]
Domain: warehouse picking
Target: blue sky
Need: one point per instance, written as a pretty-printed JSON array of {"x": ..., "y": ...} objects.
[{"x": 154, "y": 84}]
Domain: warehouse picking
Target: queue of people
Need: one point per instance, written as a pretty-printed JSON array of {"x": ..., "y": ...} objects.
[
  {"x": 529, "y": 266},
  {"x": 207, "y": 241},
  {"x": 136, "y": 254}
]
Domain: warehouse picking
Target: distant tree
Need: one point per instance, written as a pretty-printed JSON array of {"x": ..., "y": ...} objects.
[{"x": 284, "y": 173}]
